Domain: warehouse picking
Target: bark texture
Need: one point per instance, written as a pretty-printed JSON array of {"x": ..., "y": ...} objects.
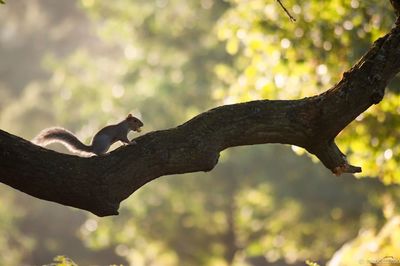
[{"x": 98, "y": 184}]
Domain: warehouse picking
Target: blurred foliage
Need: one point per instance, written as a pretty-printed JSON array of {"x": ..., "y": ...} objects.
[
  {"x": 62, "y": 261},
  {"x": 12, "y": 241},
  {"x": 372, "y": 248},
  {"x": 149, "y": 65},
  {"x": 241, "y": 213},
  {"x": 311, "y": 263},
  {"x": 166, "y": 61},
  {"x": 277, "y": 59}
]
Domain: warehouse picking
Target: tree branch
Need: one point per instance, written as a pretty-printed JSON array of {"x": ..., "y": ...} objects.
[
  {"x": 99, "y": 184},
  {"x": 286, "y": 11}
]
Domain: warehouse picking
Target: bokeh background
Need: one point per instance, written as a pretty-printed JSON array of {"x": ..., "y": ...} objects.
[{"x": 84, "y": 64}]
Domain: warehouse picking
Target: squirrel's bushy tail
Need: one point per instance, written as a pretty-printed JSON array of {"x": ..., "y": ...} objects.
[{"x": 63, "y": 136}]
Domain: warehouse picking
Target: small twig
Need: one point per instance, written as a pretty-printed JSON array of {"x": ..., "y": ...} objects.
[{"x": 286, "y": 11}]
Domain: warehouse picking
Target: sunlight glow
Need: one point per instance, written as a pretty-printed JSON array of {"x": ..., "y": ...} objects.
[{"x": 388, "y": 154}]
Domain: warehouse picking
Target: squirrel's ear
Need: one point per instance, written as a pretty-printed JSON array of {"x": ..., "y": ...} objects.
[{"x": 130, "y": 115}]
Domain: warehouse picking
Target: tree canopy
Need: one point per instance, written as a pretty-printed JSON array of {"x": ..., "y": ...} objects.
[{"x": 168, "y": 61}]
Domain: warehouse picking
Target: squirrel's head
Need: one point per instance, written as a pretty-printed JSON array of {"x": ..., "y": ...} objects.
[{"x": 134, "y": 123}]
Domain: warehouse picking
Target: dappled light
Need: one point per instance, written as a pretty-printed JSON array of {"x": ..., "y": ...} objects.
[{"x": 85, "y": 64}]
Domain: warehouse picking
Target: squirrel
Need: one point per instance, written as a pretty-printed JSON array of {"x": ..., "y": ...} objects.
[{"x": 101, "y": 141}]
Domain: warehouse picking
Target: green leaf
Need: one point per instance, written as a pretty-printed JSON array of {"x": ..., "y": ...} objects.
[
  {"x": 311, "y": 263},
  {"x": 2, "y": 2}
]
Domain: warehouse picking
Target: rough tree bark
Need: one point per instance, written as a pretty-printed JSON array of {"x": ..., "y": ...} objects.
[{"x": 99, "y": 184}]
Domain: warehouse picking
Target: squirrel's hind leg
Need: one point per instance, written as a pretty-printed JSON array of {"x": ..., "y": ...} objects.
[{"x": 100, "y": 144}]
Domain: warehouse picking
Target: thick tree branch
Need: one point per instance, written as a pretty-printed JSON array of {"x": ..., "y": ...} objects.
[{"x": 99, "y": 184}]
